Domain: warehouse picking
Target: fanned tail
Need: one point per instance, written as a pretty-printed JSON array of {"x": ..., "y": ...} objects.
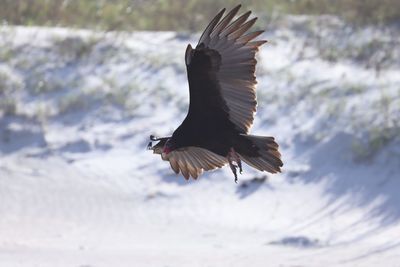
[{"x": 269, "y": 158}]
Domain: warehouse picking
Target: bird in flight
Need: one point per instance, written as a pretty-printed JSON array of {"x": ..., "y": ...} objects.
[{"x": 222, "y": 88}]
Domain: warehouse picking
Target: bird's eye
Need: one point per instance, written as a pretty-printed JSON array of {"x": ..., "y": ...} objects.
[{"x": 168, "y": 144}]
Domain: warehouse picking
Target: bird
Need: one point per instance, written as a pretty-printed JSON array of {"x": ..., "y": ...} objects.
[{"x": 222, "y": 105}]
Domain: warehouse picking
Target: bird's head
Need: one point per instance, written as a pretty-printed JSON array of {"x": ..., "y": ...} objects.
[
  {"x": 168, "y": 147},
  {"x": 163, "y": 147}
]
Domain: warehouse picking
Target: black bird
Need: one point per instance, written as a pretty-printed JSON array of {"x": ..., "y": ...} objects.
[{"x": 222, "y": 86}]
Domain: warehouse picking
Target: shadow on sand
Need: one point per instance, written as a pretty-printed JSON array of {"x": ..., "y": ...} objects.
[{"x": 366, "y": 182}]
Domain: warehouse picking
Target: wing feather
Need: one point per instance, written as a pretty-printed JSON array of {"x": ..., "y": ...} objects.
[
  {"x": 237, "y": 64},
  {"x": 206, "y": 34},
  {"x": 224, "y": 22},
  {"x": 242, "y": 29},
  {"x": 231, "y": 52},
  {"x": 235, "y": 24},
  {"x": 174, "y": 165},
  {"x": 244, "y": 39},
  {"x": 192, "y": 161}
]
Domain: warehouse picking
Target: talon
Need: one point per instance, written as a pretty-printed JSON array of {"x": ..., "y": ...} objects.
[{"x": 239, "y": 163}]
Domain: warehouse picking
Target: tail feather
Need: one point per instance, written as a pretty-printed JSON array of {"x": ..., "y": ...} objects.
[{"x": 269, "y": 158}]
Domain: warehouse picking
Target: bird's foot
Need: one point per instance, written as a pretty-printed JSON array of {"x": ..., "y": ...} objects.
[
  {"x": 234, "y": 157},
  {"x": 233, "y": 168}
]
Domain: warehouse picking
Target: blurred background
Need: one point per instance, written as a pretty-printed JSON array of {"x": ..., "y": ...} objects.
[
  {"x": 84, "y": 83},
  {"x": 182, "y": 15}
]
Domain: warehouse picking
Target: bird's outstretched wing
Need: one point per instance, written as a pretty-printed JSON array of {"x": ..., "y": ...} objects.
[
  {"x": 221, "y": 69},
  {"x": 192, "y": 161}
]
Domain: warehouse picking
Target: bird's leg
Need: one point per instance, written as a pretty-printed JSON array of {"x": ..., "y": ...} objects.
[
  {"x": 233, "y": 168},
  {"x": 234, "y": 157},
  {"x": 237, "y": 159}
]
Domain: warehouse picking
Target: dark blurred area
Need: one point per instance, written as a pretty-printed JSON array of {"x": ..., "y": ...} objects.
[{"x": 182, "y": 15}]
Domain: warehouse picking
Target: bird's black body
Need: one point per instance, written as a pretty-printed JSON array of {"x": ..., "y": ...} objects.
[{"x": 207, "y": 123}]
